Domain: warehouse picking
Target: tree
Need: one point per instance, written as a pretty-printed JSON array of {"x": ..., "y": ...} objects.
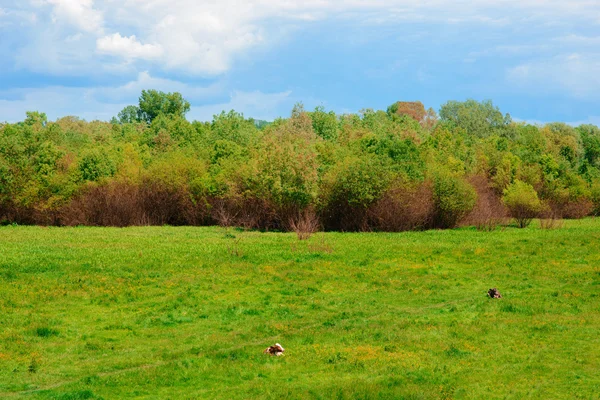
[
  {"x": 129, "y": 115},
  {"x": 590, "y": 138},
  {"x": 453, "y": 199},
  {"x": 430, "y": 120},
  {"x": 153, "y": 103},
  {"x": 96, "y": 164},
  {"x": 522, "y": 202},
  {"x": 325, "y": 124},
  {"x": 413, "y": 109},
  {"x": 481, "y": 119},
  {"x": 234, "y": 127},
  {"x": 36, "y": 118}
]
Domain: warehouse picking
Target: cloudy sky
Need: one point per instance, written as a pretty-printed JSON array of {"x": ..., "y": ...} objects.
[{"x": 539, "y": 60}]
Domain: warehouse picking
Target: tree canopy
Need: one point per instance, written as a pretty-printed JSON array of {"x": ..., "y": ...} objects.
[
  {"x": 375, "y": 170},
  {"x": 153, "y": 103}
]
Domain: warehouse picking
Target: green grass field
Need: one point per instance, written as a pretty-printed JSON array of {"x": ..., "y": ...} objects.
[{"x": 164, "y": 312}]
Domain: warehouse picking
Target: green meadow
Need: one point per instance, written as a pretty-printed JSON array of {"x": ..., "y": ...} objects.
[{"x": 169, "y": 312}]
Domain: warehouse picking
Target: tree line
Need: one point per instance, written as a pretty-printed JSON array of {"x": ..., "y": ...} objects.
[{"x": 401, "y": 169}]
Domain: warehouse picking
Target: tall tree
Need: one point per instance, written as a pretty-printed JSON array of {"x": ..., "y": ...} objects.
[
  {"x": 413, "y": 109},
  {"x": 478, "y": 118},
  {"x": 153, "y": 103},
  {"x": 129, "y": 114}
]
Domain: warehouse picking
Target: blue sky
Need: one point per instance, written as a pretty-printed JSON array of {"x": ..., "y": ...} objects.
[{"x": 537, "y": 60}]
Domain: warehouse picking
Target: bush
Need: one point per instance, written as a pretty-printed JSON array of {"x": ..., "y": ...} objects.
[
  {"x": 523, "y": 203},
  {"x": 304, "y": 223},
  {"x": 367, "y": 171},
  {"x": 453, "y": 199},
  {"x": 489, "y": 211},
  {"x": 596, "y": 200},
  {"x": 284, "y": 170},
  {"x": 96, "y": 164},
  {"x": 402, "y": 208},
  {"x": 349, "y": 189}
]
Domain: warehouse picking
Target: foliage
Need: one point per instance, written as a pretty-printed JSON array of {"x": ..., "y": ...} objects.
[
  {"x": 412, "y": 109},
  {"x": 96, "y": 164},
  {"x": 522, "y": 201},
  {"x": 153, "y": 103},
  {"x": 590, "y": 137},
  {"x": 357, "y": 181},
  {"x": 453, "y": 199},
  {"x": 286, "y": 168},
  {"x": 596, "y": 199},
  {"x": 373, "y": 170},
  {"x": 481, "y": 119},
  {"x": 129, "y": 115},
  {"x": 325, "y": 124}
]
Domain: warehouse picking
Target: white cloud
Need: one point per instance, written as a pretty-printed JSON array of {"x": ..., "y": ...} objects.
[
  {"x": 131, "y": 90},
  {"x": 47, "y": 52},
  {"x": 127, "y": 47},
  {"x": 207, "y": 37},
  {"x": 79, "y": 13},
  {"x": 578, "y": 74}
]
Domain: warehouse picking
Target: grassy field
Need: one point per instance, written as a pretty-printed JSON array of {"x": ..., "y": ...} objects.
[{"x": 164, "y": 312}]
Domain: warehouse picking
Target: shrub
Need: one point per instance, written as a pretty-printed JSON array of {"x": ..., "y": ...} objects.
[
  {"x": 403, "y": 207},
  {"x": 596, "y": 199},
  {"x": 551, "y": 222},
  {"x": 453, "y": 199},
  {"x": 569, "y": 196},
  {"x": 96, "y": 164},
  {"x": 349, "y": 189},
  {"x": 522, "y": 202},
  {"x": 284, "y": 169},
  {"x": 367, "y": 171},
  {"x": 577, "y": 208},
  {"x": 489, "y": 211},
  {"x": 305, "y": 223}
]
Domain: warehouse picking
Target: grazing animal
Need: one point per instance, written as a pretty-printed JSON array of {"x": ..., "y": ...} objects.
[
  {"x": 276, "y": 350},
  {"x": 494, "y": 294}
]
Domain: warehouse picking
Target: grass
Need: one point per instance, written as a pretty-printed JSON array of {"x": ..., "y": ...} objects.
[{"x": 164, "y": 312}]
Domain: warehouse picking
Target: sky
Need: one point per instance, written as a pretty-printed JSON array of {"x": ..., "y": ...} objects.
[{"x": 537, "y": 60}]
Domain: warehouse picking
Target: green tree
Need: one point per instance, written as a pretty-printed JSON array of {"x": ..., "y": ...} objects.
[
  {"x": 234, "y": 127},
  {"x": 325, "y": 124},
  {"x": 129, "y": 114},
  {"x": 36, "y": 118},
  {"x": 153, "y": 103},
  {"x": 522, "y": 201},
  {"x": 453, "y": 199},
  {"x": 286, "y": 168},
  {"x": 481, "y": 119},
  {"x": 96, "y": 164},
  {"x": 590, "y": 138}
]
